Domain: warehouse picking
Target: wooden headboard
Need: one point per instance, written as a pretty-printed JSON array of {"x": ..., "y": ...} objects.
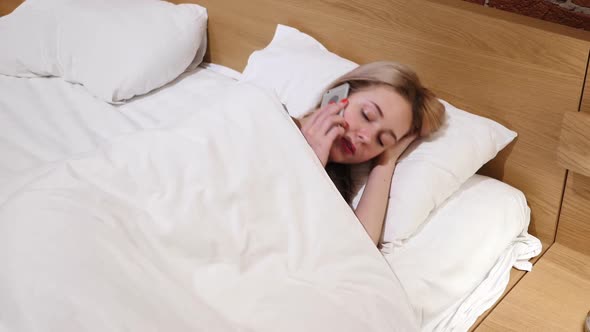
[{"x": 521, "y": 72}]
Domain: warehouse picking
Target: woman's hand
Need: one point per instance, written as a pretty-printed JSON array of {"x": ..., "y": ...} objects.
[
  {"x": 392, "y": 154},
  {"x": 323, "y": 127}
]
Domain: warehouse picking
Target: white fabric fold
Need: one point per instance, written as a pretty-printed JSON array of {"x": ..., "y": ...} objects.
[{"x": 493, "y": 286}]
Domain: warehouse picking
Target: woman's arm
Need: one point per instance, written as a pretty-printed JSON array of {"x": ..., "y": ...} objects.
[{"x": 373, "y": 204}]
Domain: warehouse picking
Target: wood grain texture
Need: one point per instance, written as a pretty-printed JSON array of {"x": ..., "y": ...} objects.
[
  {"x": 574, "y": 223},
  {"x": 7, "y": 6},
  {"x": 574, "y": 142},
  {"x": 554, "y": 297},
  {"x": 488, "y": 62},
  {"x": 585, "y": 104}
]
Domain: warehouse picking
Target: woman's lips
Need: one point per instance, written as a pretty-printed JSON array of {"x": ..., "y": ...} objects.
[{"x": 347, "y": 146}]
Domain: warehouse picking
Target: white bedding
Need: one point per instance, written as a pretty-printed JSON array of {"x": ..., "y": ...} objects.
[
  {"x": 46, "y": 121},
  {"x": 190, "y": 227}
]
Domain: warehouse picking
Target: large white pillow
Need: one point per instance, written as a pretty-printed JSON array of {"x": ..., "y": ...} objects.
[
  {"x": 116, "y": 49},
  {"x": 459, "y": 264},
  {"x": 298, "y": 68}
]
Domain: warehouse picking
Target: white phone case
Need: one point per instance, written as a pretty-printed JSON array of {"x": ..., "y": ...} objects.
[{"x": 335, "y": 94}]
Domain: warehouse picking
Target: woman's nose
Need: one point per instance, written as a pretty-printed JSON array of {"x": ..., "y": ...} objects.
[
  {"x": 360, "y": 136},
  {"x": 365, "y": 135},
  {"x": 364, "y": 138}
]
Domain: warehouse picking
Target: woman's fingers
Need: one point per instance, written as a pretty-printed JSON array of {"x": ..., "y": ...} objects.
[
  {"x": 327, "y": 115},
  {"x": 329, "y": 110},
  {"x": 334, "y": 133},
  {"x": 333, "y": 121},
  {"x": 323, "y": 127},
  {"x": 406, "y": 141},
  {"x": 403, "y": 144},
  {"x": 392, "y": 154}
]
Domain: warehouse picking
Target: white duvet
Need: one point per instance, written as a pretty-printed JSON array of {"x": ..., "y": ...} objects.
[{"x": 226, "y": 222}]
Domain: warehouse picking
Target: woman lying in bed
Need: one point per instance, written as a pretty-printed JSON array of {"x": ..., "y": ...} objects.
[{"x": 386, "y": 110}]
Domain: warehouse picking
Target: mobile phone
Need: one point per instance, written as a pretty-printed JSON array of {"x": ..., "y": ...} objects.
[{"x": 335, "y": 94}]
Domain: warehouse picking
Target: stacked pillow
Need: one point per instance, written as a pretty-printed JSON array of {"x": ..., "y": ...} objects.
[
  {"x": 298, "y": 68},
  {"x": 116, "y": 49}
]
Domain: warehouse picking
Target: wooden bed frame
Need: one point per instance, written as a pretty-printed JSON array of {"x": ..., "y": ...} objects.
[{"x": 522, "y": 72}]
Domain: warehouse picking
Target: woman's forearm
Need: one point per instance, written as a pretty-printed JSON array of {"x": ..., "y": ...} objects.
[{"x": 373, "y": 204}]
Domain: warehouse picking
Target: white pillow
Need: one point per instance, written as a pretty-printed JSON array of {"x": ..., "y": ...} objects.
[
  {"x": 297, "y": 67},
  {"x": 458, "y": 265},
  {"x": 116, "y": 49}
]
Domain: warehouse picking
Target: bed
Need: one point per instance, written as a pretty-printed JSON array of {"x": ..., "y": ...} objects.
[{"x": 155, "y": 275}]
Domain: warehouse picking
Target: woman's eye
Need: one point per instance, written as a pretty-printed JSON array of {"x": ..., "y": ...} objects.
[{"x": 365, "y": 115}]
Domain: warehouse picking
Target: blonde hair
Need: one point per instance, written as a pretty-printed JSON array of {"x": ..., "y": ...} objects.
[{"x": 427, "y": 111}]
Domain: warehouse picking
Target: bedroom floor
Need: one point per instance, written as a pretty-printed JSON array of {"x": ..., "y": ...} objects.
[{"x": 555, "y": 297}]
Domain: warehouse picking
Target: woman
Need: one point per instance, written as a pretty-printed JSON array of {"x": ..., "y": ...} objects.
[{"x": 386, "y": 110}]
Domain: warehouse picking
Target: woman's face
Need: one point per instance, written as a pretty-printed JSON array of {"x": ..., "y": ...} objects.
[{"x": 378, "y": 117}]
